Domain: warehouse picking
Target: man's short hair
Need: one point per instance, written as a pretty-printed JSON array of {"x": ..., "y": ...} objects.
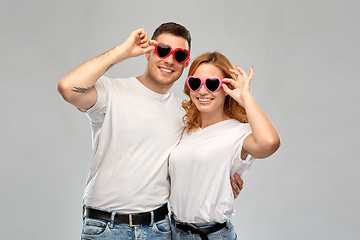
[{"x": 174, "y": 29}]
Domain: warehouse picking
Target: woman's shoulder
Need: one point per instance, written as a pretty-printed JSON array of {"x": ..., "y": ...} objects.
[
  {"x": 238, "y": 128},
  {"x": 235, "y": 123}
]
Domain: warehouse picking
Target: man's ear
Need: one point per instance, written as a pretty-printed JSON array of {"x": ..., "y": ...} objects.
[
  {"x": 147, "y": 55},
  {"x": 187, "y": 63}
]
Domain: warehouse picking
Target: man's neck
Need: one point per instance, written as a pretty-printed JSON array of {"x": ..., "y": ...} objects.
[{"x": 154, "y": 86}]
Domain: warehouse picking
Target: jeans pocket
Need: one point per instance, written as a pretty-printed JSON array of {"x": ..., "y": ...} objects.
[
  {"x": 163, "y": 226},
  {"x": 228, "y": 232},
  {"x": 93, "y": 228}
]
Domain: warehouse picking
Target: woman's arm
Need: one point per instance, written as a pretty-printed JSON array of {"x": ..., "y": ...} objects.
[{"x": 264, "y": 140}]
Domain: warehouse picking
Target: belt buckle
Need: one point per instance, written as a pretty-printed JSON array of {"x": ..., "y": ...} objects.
[{"x": 131, "y": 221}]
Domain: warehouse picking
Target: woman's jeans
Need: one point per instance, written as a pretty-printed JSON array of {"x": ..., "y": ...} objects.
[{"x": 228, "y": 232}]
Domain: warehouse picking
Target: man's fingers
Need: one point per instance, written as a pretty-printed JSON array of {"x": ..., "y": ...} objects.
[
  {"x": 235, "y": 188},
  {"x": 152, "y": 42},
  {"x": 234, "y": 185},
  {"x": 239, "y": 181},
  {"x": 144, "y": 38}
]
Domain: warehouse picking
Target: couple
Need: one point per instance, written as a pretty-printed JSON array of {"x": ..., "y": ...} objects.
[{"x": 136, "y": 126}]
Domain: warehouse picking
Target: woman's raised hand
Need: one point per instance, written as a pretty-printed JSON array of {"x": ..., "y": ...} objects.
[{"x": 241, "y": 88}]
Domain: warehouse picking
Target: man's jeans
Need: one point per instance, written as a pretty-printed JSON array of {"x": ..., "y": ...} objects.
[{"x": 103, "y": 230}]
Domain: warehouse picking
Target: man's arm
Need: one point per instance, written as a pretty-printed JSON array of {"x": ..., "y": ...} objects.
[
  {"x": 76, "y": 87},
  {"x": 237, "y": 185}
]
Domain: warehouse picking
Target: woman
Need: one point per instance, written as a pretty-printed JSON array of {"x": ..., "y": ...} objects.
[{"x": 225, "y": 132}]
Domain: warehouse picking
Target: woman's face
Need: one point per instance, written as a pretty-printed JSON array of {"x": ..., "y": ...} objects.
[{"x": 207, "y": 102}]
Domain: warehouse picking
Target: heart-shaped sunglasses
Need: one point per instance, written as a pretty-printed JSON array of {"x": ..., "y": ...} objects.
[
  {"x": 180, "y": 55},
  {"x": 211, "y": 84}
]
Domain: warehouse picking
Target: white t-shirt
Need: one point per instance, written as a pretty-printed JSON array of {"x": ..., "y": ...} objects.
[
  {"x": 200, "y": 168},
  {"x": 134, "y": 130}
]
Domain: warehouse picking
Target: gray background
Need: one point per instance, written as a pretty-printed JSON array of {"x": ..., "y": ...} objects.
[{"x": 306, "y": 59}]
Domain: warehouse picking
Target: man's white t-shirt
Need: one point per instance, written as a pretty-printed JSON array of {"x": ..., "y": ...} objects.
[
  {"x": 200, "y": 168},
  {"x": 134, "y": 130}
]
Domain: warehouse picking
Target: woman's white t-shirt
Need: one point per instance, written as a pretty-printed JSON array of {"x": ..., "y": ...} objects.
[{"x": 200, "y": 168}]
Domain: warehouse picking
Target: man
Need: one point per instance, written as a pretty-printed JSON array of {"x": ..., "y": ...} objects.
[{"x": 135, "y": 122}]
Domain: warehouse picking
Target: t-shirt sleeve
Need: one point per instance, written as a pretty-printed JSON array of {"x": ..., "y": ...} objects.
[
  {"x": 97, "y": 112},
  {"x": 244, "y": 131},
  {"x": 239, "y": 165}
]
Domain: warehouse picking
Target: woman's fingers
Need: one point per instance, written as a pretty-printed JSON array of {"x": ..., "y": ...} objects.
[
  {"x": 251, "y": 72},
  {"x": 238, "y": 71},
  {"x": 229, "y": 80},
  {"x": 242, "y": 72}
]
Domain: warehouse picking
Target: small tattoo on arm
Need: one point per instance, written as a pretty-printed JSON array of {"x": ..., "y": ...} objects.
[
  {"x": 80, "y": 89},
  {"x": 109, "y": 67}
]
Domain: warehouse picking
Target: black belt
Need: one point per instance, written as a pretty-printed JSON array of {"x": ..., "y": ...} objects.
[
  {"x": 203, "y": 232},
  {"x": 134, "y": 219}
]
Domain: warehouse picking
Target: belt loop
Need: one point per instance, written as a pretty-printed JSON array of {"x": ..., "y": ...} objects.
[
  {"x": 112, "y": 219},
  {"x": 83, "y": 215},
  {"x": 204, "y": 237},
  {"x": 152, "y": 218},
  {"x": 228, "y": 223}
]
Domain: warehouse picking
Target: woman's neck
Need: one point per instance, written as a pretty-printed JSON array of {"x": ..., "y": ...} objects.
[{"x": 208, "y": 119}]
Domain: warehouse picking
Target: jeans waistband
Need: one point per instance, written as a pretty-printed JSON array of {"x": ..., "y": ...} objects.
[{"x": 136, "y": 219}]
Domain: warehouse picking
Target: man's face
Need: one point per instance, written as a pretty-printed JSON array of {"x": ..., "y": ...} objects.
[{"x": 165, "y": 71}]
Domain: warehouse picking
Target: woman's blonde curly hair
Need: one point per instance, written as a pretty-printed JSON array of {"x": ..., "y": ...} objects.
[{"x": 192, "y": 117}]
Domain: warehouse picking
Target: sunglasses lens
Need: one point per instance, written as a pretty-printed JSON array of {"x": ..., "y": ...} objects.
[
  {"x": 194, "y": 83},
  {"x": 163, "y": 50},
  {"x": 212, "y": 84},
  {"x": 181, "y": 55}
]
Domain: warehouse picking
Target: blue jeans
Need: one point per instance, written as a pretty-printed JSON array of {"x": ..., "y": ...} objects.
[
  {"x": 228, "y": 232},
  {"x": 103, "y": 230}
]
